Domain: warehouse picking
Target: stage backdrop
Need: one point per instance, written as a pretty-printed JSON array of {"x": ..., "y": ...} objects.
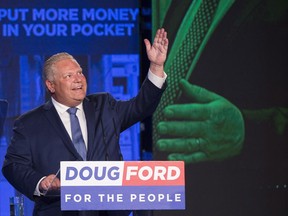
[
  {"x": 102, "y": 35},
  {"x": 227, "y": 118}
]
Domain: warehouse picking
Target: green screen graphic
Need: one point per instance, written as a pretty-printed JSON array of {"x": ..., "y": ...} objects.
[{"x": 225, "y": 110}]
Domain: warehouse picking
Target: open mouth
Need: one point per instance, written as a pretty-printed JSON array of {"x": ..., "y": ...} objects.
[{"x": 78, "y": 88}]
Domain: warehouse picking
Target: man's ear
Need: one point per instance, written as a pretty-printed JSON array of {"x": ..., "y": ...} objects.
[{"x": 50, "y": 86}]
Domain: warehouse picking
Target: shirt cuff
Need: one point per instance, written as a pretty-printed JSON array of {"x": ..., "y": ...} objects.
[
  {"x": 37, "y": 191},
  {"x": 156, "y": 80}
]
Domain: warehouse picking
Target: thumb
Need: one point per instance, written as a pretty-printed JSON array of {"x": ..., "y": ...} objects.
[
  {"x": 147, "y": 44},
  {"x": 199, "y": 94}
]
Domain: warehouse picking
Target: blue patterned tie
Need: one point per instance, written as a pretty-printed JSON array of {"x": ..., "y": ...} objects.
[{"x": 77, "y": 137}]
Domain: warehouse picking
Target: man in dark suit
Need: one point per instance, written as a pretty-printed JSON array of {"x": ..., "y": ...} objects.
[{"x": 43, "y": 137}]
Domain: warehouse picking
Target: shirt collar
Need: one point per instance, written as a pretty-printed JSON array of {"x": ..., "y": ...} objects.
[{"x": 61, "y": 108}]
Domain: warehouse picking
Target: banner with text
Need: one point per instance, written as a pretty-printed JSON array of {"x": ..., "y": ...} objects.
[
  {"x": 120, "y": 185},
  {"x": 85, "y": 26}
]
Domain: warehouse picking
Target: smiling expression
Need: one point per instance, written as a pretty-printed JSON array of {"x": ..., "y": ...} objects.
[{"x": 69, "y": 84}]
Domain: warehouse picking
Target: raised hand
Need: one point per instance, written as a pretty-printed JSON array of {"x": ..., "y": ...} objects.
[
  {"x": 205, "y": 129},
  {"x": 157, "y": 52}
]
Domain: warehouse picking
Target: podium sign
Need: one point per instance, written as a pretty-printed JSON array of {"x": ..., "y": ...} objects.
[{"x": 122, "y": 185}]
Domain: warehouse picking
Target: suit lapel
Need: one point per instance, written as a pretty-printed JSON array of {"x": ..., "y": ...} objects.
[
  {"x": 91, "y": 121},
  {"x": 55, "y": 121}
]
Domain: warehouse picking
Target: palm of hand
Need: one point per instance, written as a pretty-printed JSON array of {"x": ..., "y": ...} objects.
[{"x": 157, "y": 52}]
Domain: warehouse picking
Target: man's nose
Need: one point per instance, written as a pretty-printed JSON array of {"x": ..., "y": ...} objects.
[{"x": 78, "y": 77}]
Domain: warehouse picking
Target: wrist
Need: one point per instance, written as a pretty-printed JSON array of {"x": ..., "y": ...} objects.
[{"x": 158, "y": 70}]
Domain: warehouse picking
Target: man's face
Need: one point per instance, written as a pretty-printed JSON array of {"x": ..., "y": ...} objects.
[{"x": 69, "y": 84}]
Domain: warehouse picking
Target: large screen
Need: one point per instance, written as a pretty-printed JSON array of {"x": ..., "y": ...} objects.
[{"x": 225, "y": 111}]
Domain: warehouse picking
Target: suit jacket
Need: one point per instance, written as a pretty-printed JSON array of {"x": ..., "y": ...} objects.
[{"x": 40, "y": 141}]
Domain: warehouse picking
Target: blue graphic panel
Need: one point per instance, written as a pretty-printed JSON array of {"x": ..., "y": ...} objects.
[{"x": 102, "y": 35}]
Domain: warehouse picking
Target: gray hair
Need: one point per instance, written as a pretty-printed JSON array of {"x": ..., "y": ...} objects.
[{"x": 48, "y": 70}]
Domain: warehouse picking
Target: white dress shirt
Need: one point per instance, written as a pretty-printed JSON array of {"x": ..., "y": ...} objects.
[{"x": 65, "y": 118}]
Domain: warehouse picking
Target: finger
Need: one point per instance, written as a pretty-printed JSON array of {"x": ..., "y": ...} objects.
[
  {"x": 157, "y": 36},
  {"x": 56, "y": 184},
  {"x": 196, "y": 112},
  {"x": 161, "y": 36},
  {"x": 44, "y": 185},
  {"x": 147, "y": 44},
  {"x": 163, "y": 40},
  {"x": 197, "y": 93},
  {"x": 161, "y": 43},
  {"x": 191, "y": 158},
  {"x": 181, "y": 145},
  {"x": 164, "y": 46},
  {"x": 181, "y": 128}
]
